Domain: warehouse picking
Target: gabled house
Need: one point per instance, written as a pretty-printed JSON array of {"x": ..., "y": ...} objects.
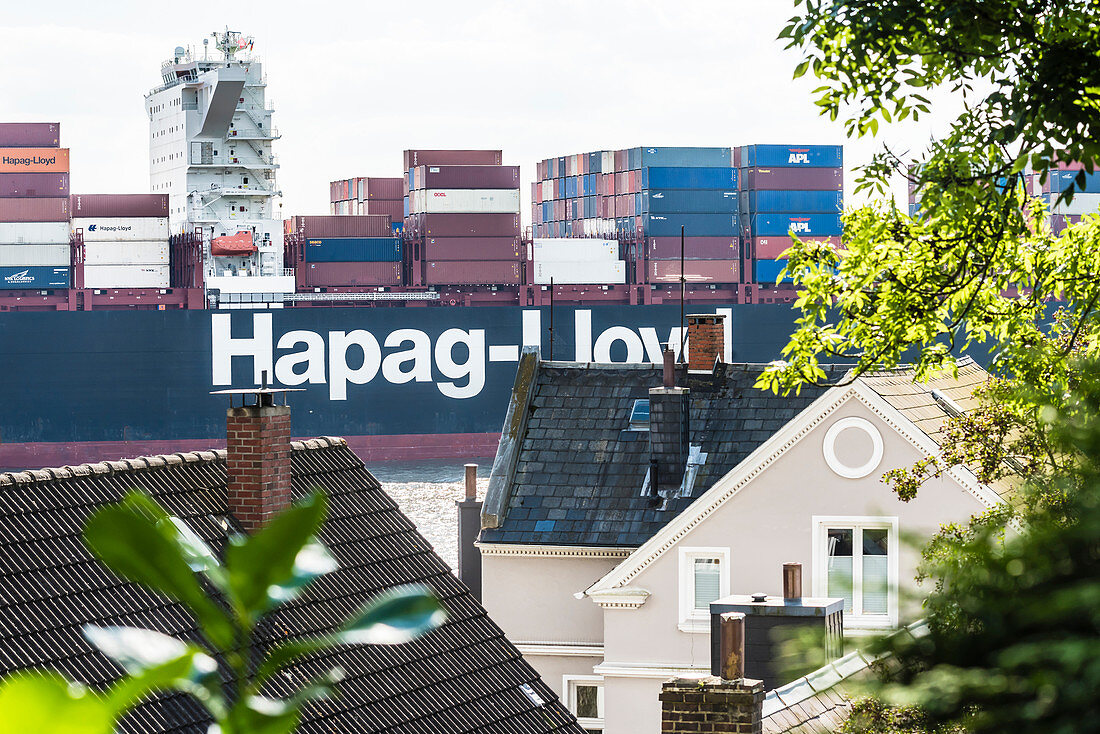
[
  {"x": 603, "y": 577},
  {"x": 463, "y": 677}
]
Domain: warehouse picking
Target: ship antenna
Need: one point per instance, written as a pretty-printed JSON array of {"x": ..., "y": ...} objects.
[
  {"x": 551, "y": 319},
  {"x": 683, "y": 331}
]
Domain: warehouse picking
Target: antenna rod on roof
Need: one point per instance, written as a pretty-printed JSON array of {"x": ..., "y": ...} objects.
[
  {"x": 683, "y": 331},
  {"x": 551, "y": 319}
]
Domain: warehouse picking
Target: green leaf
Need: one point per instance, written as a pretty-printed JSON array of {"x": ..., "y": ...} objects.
[
  {"x": 397, "y": 616},
  {"x": 272, "y": 566},
  {"x": 261, "y": 715},
  {"x": 282, "y": 655},
  {"x": 801, "y": 68},
  {"x": 46, "y": 703}
]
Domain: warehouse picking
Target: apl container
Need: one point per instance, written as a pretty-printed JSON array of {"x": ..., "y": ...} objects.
[
  {"x": 468, "y": 225},
  {"x": 783, "y": 223},
  {"x": 413, "y": 158},
  {"x": 689, "y": 178},
  {"x": 791, "y": 179},
  {"x": 353, "y": 249},
  {"x": 319, "y": 275},
  {"x": 473, "y": 272},
  {"x": 689, "y": 201},
  {"x": 119, "y": 205},
  {"x": 769, "y": 248},
  {"x": 30, "y": 134},
  {"x": 809, "y": 156},
  {"x": 583, "y": 272},
  {"x": 695, "y": 271},
  {"x": 34, "y": 278},
  {"x": 343, "y": 226},
  {"x": 794, "y": 201},
  {"x": 126, "y": 276},
  {"x": 695, "y": 248},
  {"x": 34, "y": 233},
  {"x": 125, "y": 253},
  {"x": 467, "y": 177},
  {"x": 471, "y": 248},
  {"x": 572, "y": 249},
  {"x": 465, "y": 201},
  {"x": 34, "y": 160},
  {"x": 34, "y": 210},
  {"x": 34, "y": 185},
  {"x": 695, "y": 225},
  {"x": 24, "y": 255}
]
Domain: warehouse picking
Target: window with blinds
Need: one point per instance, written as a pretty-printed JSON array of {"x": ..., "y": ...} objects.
[
  {"x": 857, "y": 568},
  {"x": 708, "y": 582}
]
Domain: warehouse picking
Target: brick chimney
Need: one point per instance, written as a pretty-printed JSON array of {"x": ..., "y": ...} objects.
[
  {"x": 706, "y": 341},
  {"x": 712, "y": 705},
  {"x": 669, "y": 430},
  {"x": 258, "y": 460}
]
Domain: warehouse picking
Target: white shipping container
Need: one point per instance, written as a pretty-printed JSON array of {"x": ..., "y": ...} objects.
[
  {"x": 116, "y": 229},
  {"x": 125, "y": 253},
  {"x": 24, "y": 255},
  {"x": 607, "y": 161},
  {"x": 568, "y": 249},
  {"x": 1082, "y": 204},
  {"x": 34, "y": 233},
  {"x": 126, "y": 276},
  {"x": 547, "y": 190},
  {"x": 465, "y": 201},
  {"x": 579, "y": 273}
]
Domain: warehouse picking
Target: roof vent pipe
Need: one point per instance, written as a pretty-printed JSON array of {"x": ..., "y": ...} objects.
[
  {"x": 792, "y": 581},
  {"x": 670, "y": 368},
  {"x": 731, "y": 642}
]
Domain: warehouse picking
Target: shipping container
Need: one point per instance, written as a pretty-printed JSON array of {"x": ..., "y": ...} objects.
[
  {"x": 679, "y": 158},
  {"x": 385, "y": 207},
  {"x": 467, "y": 177},
  {"x": 783, "y": 223},
  {"x": 803, "y": 179},
  {"x": 119, "y": 205},
  {"x": 369, "y": 225},
  {"x": 808, "y": 156},
  {"x": 689, "y": 201},
  {"x": 471, "y": 248},
  {"x": 695, "y": 248},
  {"x": 414, "y": 158},
  {"x": 34, "y": 160},
  {"x": 582, "y": 272},
  {"x": 34, "y": 185},
  {"x": 30, "y": 134},
  {"x": 34, "y": 233},
  {"x": 126, "y": 276},
  {"x": 468, "y": 225},
  {"x": 126, "y": 253},
  {"x": 347, "y": 274},
  {"x": 572, "y": 249},
  {"x": 34, "y": 210},
  {"x": 1082, "y": 204},
  {"x": 695, "y": 271},
  {"x": 465, "y": 201},
  {"x": 695, "y": 225},
  {"x": 767, "y": 271},
  {"x": 24, "y": 255},
  {"x": 119, "y": 229},
  {"x": 769, "y": 248},
  {"x": 689, "y": 178},
  {"x": 472, "y": 272},
  {"x": 794, "y": 201},
  {"x": 383, "y": 188},
  {"x": 353, "y": 249},
  {"x": 34, "y": 278}
]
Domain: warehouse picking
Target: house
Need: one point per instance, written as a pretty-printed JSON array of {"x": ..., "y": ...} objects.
[
  {"x": 611, "y": 523},
  {"x": 462, "y": 677}
]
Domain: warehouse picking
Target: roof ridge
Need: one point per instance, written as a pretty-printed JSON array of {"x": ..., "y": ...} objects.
[{"x": 148, "y": 463}]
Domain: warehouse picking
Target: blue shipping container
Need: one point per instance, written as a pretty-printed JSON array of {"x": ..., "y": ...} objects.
[
  {"x": 777, "y": 224},
  {"x": 767, "y": 271},
  {"x": 595, "y": 160},
  {"x": 695, "y": 225},
  {"x": 795, "y": 201},
  {"x": 689, "y": 201},
  {"x": 33, "y": 278},
  {"x": 1062, "y": 180},
  {"x": 689, "y": 178},
  {"x": 406, "y": 206},
  {"x": 682, "y": 157},
  {"x": 353, "y": 249},
  {"x": 815, "y": 156}
]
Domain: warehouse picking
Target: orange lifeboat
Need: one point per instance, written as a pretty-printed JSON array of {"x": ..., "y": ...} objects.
[{"x": 233, "y": 245}]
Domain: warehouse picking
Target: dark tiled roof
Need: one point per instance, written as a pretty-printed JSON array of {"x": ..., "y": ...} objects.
[
  {"x": 579, "y": 474},
  {"x": 463, "y": 677}
]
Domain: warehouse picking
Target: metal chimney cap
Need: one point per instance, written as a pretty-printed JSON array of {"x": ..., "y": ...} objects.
[{"x": 759, "y": 597}]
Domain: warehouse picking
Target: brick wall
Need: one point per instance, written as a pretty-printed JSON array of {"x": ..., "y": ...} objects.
[
  {"x": 258, "y": 463},
  {"x": 712, "y": 706},
  {"x": 706, "y": 340}
]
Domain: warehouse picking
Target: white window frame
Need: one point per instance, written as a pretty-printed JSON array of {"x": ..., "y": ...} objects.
[
  {"x": 569, "y": 693},
  {"x": 821, "y": 527},
  {"x": 691, "y": 620}
]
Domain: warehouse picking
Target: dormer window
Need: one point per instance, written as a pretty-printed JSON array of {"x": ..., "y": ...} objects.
[{"x": 639, "y": 415}]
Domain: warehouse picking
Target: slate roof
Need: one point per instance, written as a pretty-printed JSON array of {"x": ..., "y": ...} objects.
[
  {"x": 578, "y": 474},
  {"x": 463, "y": 677}
]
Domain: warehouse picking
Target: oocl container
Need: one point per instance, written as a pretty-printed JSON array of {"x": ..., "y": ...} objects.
[
  {"x": 34, "y": 160},
  {"x": 118, "y": 229},
  {"x": 34, "y": 278},
  {"x": 466, "y": 201},
  {"x": 34, "y": 185},
  {"x": 34, "y": 233},
  {"x": 126, "y": 276},
  {"x": 30, "y": 134},
  {"x": 570, "y": 249},
  {"x": 119, "y": 205},
  {"x": 34, "y": 210},
  {"x": 582, "y": 272},
  {"x": 24, "y": 255}
]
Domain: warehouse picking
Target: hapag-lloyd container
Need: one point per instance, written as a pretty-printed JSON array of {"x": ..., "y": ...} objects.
[
  {"x": 689, "y": 178},
  {"x": 695, "y": 248},
  {"x": 809, "y": 156},
  {"x": 689, "y": 201},
  {"x": 794, "y": 201},
  {"x": 125, "y": 253},
  {"x": 471, "y": 248},
  {"x": 571, "y": 249},
  {"x": 564, "y": 272},
  {"x": 695, "y": 271},
  {"x": 126, "y": 276},
  {"x": 769, "y": 248},
  {"x": 466, "y": 177},
  {"x": 24, "y": 255},
  {"x": 468, "y": 225},
  {"x": 119, "y": 205},
  {"x": 34, "y": 233},
  {"x": 367, "y": 225},
  {"x": 34, "y": 277},
  {"x": 353, "y": 249},
  {"x": 34, "y": 185},
  {"x": 34, "y": 160},
  {"x": 30, "y": 134},
  {"x": 465, "y": 201},
  {"x": 414, "y": 158},
  {"x": 34, "y": 210},
  {"x": 695, "y": 225},
  {"x": 791, "y": 179},
  {"x": 472, "y": 272},
  {"x": 783, "y": 223},
  {"x": 118, "y": 229}
]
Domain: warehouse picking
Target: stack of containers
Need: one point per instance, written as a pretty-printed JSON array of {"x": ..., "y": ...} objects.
[
  {"x": 575, "y": 261},
  {"x": 368, "y": 195},
  {"x": 125, "y": 239},
  {"x": 463, "y": 218},
  {"x": 785, "y": 189},
  {"x": 34, "y": 207},
  {"x": 346, "y": 251},
  {"x": 1086, "y": 197}
]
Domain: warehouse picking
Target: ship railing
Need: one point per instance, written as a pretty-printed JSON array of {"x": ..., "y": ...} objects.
[{"x": 367, "y": 296}]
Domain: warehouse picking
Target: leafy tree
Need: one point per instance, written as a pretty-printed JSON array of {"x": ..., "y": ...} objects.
[{"x": 139, "y": 541}]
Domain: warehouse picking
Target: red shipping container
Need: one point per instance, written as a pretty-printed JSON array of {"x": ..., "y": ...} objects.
[
  {"x": 467, "y": 177},
  {"x": 793, "y": 179},
  {"x": 34, "y": 185},
  {"x": 695, "y": 248},
  {"x": 394, "y": 209},
  {"x": 319, "y": 275},
  {"x": 770, "y": 248},
  {"x": 414, "y": 158},
  {"x": 695, "y": 271},
  {"x": 368, "y": 225},
  {"x": 472, "y": 272},
  {"x": 632, "y": 182},
  {"x": 119, "y": 205},
  {"x": 621, "y": 163},
  {"x": 468, "y": 225},
  {"x": 612, "y": 207},
  {"x": 34, "y": 210},
  {"x": 30, "y": 134},
  {"x": 471, "y": 248}
]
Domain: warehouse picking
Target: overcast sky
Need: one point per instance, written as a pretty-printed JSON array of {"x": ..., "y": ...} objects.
[{"x": 354, "y": 84}]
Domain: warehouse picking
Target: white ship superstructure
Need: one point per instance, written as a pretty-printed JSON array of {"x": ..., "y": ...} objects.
[{"x": 211, "y": 140}]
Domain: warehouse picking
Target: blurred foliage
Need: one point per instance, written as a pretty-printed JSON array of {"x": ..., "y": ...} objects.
[{"x": 871, "y": 716}]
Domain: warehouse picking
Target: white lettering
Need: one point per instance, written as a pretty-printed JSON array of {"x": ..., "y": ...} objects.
[
  {"x": 420, "y": 354},
  {"x": 473, "y": 367},
  {"x": 339, "y": 372},
  {"x": 582, "y": 335},
  {"x": 313, "y": 356},
  {"x": 619, "y": 333},
  {"x": 532, "y": 328},
  {"x": 654, "y": 348},
  {"x": 727, "y": 333},
  {"x": 224, "y": 347}
]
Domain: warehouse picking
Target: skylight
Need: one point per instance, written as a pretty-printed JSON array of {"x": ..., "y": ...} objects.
[{"x": 639, "y": 415}]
